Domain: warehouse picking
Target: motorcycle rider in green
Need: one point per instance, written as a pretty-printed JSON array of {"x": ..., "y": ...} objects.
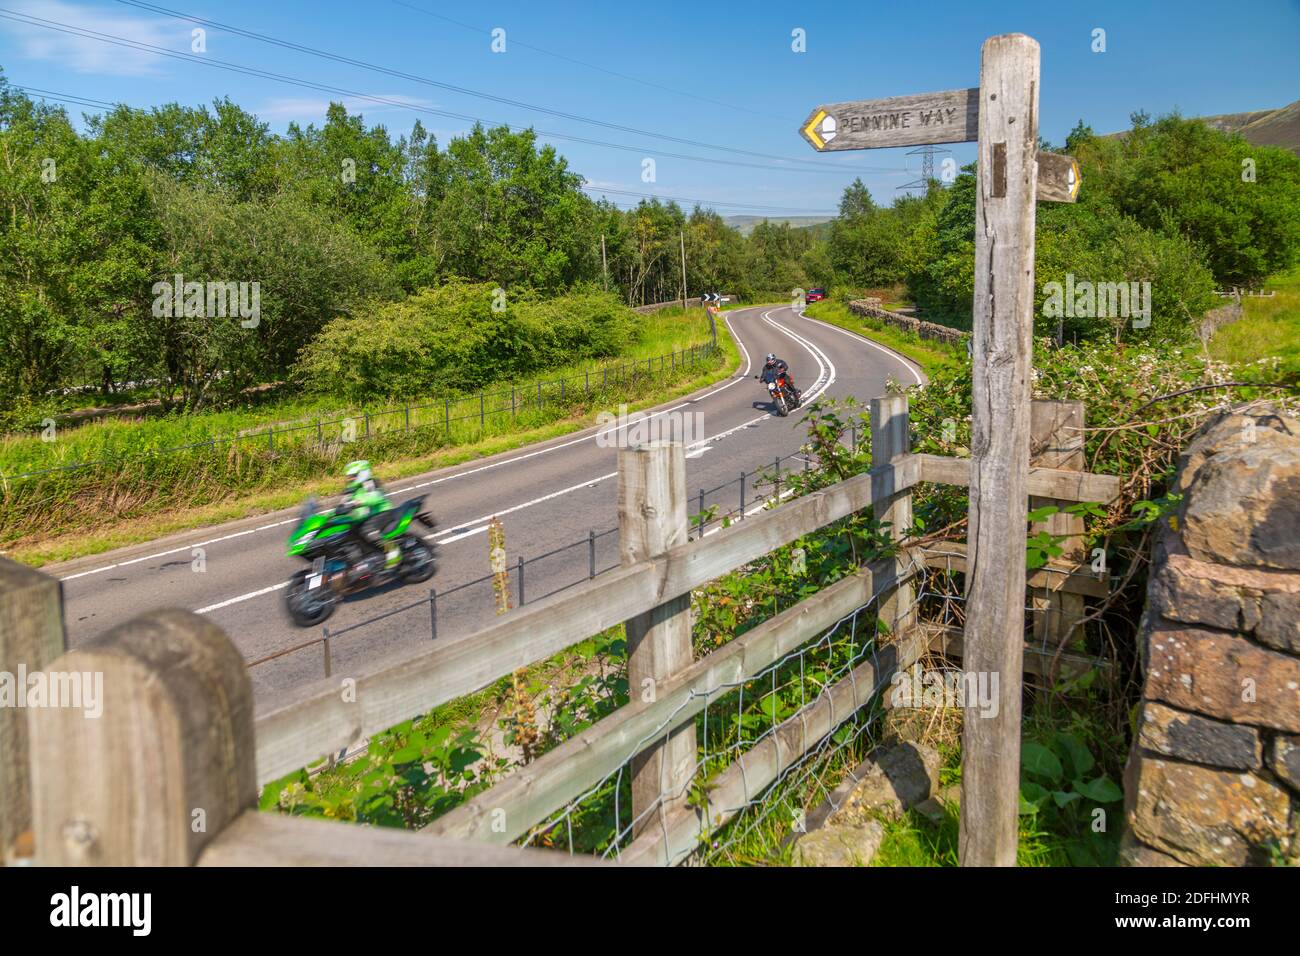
[{"x": 364, "y": 496}]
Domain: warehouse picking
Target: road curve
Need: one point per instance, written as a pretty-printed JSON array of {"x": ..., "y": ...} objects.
[{"x": 547, "y": 495}]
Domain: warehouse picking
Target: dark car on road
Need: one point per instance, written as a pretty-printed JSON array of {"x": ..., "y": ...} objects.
[{"x": 814, "y": 295}]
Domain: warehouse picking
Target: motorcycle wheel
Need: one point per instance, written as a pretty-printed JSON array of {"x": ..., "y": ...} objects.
[
  {"x": 418, "y": 563},
  {"x": 308, "y": 607},
  {"x": 782, "y": 408}
]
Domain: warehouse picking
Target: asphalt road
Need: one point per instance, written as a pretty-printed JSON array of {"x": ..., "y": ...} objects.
[{"x": 548, "y": 496}]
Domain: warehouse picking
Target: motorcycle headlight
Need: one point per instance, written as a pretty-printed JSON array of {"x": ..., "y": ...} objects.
[{"x": 771, "y": 386}]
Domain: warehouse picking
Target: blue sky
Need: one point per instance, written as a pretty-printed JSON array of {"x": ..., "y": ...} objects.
[{"x": 717, "y": 74}]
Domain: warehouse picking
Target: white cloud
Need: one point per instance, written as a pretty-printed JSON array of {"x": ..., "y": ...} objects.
[
  {"x": 88, "y": 55},
  {"x": 312, "y": 109}
]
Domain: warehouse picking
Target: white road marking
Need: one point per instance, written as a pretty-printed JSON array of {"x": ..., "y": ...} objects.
[
  {"x": 826, "y": 377},
  {"x": 188, "y": 547},
  {"x": 242, "y": 597},
  {"x": 425, "y": 484},
  {"x": 906, "y": 363},
  {"x": 824, "y": 380},
  {"x": 456, "y": 536}
]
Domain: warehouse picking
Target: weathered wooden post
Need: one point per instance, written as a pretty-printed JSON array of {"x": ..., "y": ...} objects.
[
  {"x": 1056, "y": 441},
  {"x": 1000, "y": 389},
  {"x": 31, "y": 635},
  {"x": 1002, "y": 115},
  {"x": 890, "y": 439},
  {"x": 165, "y": 765},
  {"x": 652, "y": 519}
]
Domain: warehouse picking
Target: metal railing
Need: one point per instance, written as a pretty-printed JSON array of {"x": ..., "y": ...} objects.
[
  {"x": 752, "y": 491},
  {"x": 481, "y": 407}
]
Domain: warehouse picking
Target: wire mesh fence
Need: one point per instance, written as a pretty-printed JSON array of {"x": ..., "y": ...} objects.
[
  {"x": 760, "y": 758},
  {"x": 534, "y": 578}
]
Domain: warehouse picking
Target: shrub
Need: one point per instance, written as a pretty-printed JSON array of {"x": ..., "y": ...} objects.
[{"x": 450, "y": 338}]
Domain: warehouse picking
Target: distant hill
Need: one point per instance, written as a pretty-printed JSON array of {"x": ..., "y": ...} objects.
[
  {"x": 1280, "y": 127},
  {"x": 746, "y": 224}
]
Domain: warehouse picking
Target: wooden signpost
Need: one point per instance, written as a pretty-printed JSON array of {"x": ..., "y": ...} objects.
[
  {"x": 923, "y": 120},
  {"x": 1001, "y": 115}
]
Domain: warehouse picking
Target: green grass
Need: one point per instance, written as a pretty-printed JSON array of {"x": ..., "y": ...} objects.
[
  {"x": 1269, "y": 329},
  {"x": 930, "y": 355},
  {"x": 136, "y": 496}
]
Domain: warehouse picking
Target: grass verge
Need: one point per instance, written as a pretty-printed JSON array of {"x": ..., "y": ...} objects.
[
  {"x": 1269, "y": 329},
  {"x": 50, "y": 523},
  {"x": 930, "y": 355}
]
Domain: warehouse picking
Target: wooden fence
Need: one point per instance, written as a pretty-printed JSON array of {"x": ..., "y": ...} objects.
[{"x": 169, "y": 772}]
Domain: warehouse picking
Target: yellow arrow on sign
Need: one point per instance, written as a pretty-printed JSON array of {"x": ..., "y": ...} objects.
[{"x": 811, "y": 129}]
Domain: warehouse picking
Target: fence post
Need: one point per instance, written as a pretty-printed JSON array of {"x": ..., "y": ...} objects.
[
  {"x": 367, "y": 414},
  {"x": 1056, "y": 441},
  {"x": 742, "y": 495},
  {"x": 1002, "y": 357},
  {"x": 325, "y": 650},
  {"x": 591, "y": 553},
  {"x": 168, "y": 764},
  {"x": 890, "y": 439},
  {"x": 446, "y": 417},
  {"x": 31, "y": 636},
  {"x": 514, "y": 408},
  {"x": 521, "y": 580},
  {"x": 652, "y": 519},
  {"x": 408, "y": 418},
  {"x": 482, "y": 413},
  {"x": 270, "y": 438},
  {"x": 433, "y": 614}
]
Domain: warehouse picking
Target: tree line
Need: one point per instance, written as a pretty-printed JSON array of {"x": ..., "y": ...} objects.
[
  {"x": 336, "y": 221},
  {"x": 329, "y": 221},
  {"x": 1172, "y": 202}
]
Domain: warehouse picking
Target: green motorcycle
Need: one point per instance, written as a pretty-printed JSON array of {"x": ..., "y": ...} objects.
[{"x": 343, "y": 562}]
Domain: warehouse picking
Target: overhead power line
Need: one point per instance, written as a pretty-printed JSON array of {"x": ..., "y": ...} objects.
[
  {"x": 705, "y": 202},
  {"x": 594, "y": 66},
  {"x": 216, "y": 63},
  {"x": 57, "y": 97},
  {"x": 465, "y": 91}
]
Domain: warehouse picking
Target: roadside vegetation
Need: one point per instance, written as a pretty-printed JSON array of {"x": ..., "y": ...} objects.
[
  {"x": 133, "y": 489},
  {"x": 1268, "y": 334},
  {"x": 1077, "y": 729},
  {"x": 440, "y": 271},
  {"x": 929, "y": 354}
]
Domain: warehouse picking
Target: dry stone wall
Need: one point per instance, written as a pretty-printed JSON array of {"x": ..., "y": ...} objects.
[
  {"x": 871, "y": 307},
  {"x": 1214, "y": 774}
]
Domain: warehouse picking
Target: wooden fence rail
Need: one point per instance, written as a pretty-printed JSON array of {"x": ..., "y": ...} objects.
[{"x": 169, "y": 773}]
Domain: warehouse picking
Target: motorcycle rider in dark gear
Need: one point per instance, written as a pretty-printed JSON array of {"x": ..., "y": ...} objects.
[{"x": 774, "y": 367}]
